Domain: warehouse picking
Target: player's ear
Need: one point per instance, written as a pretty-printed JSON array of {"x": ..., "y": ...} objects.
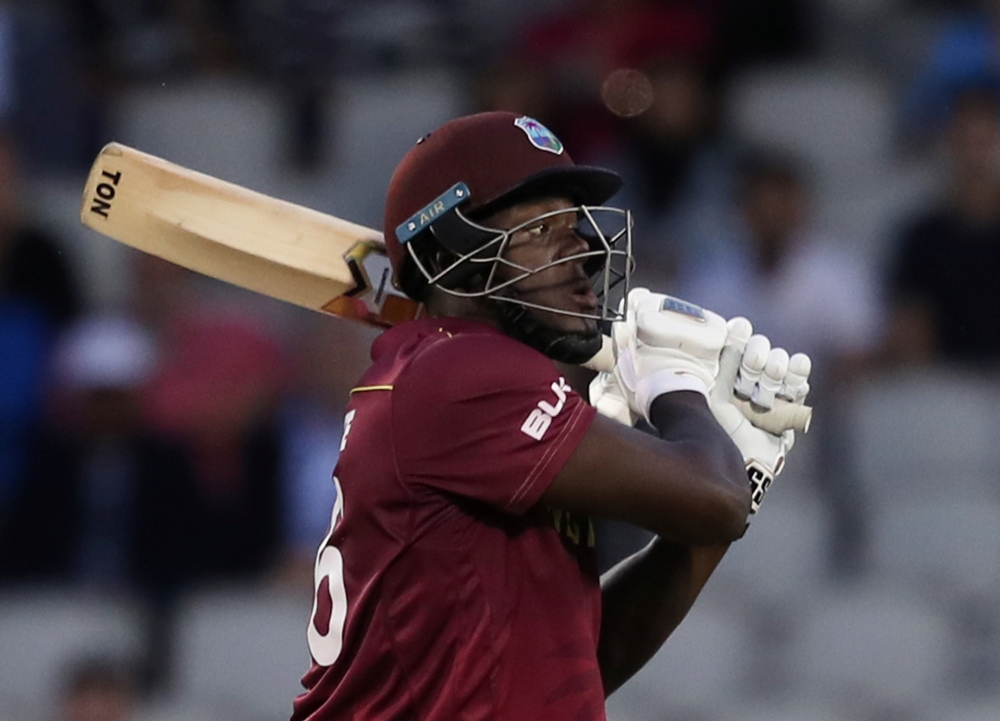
[
  {"x": 464, "y": 276},
  {"x": 436, "y": 259},
  {"x": 412, "y": 280}
]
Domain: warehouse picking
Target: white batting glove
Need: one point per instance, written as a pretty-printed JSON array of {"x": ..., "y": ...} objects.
[
  {"x": 607, "y": 396},
  {"x": 606, "y": 392},
  {"x": 663, "y": 345},
  {"x": 752, "y": 375}
]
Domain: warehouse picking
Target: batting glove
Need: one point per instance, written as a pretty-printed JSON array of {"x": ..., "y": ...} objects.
[
  {"x": 752, "y": 378},
  {"x": 607, "y": 396},
  {"x": 663, "y": 345}
]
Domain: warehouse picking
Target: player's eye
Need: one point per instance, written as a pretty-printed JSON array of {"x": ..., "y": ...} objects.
[{"x": 531, "y": 234}]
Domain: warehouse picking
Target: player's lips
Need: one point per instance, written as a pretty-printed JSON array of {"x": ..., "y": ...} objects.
[{"x": 585, "y": 297}]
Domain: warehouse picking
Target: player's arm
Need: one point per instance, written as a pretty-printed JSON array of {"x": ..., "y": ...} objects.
[
  {"x": 690, "y": 486},
  {"x": 687, "y": 486},
  {"x": 646, "y": 596},
  {"x": 643, "y": 599}
]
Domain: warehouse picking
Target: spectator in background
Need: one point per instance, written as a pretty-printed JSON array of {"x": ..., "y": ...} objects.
[
  {"x": 516, "y": 84},
  {"x": 766, "y": 31},
  {"x": 105, "y": 504},
  {"x": 39, "y": 295},
  {"x": 575, "y": 50},
  {"x": 329, "y": 359},
  {"x": 217, "y": 392},
  {"x": 942, "y": 278},
  {"x": 126, "y": 40},
  {"x": 48, "y": 105},
  {"x": 262, "y": 415},
  {"x": 96, "y": 689},
  {"x": 630, "y": 85},
  {"x": 683, "y": 172},
  {"x": 800, "y": 287},
  {"x": 965, "y": 55},
  {"x": 804, "y": 290}
]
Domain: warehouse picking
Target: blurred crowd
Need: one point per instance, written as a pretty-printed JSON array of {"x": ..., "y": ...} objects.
[{"x": 187, "y": 435}]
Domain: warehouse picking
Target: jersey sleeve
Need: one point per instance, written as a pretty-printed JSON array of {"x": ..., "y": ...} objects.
[{"x": 484, "y": 417}]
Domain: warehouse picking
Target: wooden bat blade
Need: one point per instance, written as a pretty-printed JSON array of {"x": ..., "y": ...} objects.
[{"x": 220, "y": 229}]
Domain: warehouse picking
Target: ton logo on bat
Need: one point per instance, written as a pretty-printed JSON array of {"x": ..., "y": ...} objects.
[{"x": 105, "y": 193}]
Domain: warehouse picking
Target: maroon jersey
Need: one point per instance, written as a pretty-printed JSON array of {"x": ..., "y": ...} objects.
[{"x": 443, "y": 591}]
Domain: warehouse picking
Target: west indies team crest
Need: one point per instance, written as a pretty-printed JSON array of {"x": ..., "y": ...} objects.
[{"x": 540, "y": 136}]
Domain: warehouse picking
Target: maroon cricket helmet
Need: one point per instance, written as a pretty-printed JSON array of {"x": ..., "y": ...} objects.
[{"x": 503, "y": 158}]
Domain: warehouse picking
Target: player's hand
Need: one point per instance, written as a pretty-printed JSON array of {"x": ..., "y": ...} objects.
[
  {"x": 752, "y": 377},
  {"x": 665, "y": 344}
]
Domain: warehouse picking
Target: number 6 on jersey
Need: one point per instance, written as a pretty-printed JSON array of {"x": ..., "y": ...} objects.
[{"x": 326, "y": 623}]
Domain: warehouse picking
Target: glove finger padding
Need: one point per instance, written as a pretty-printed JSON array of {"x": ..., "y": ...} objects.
[
  {"x": 772, "y": 379},
  {"x": 755, "y": 355},
  {"x": 748, "y": 366},
  {"x": 796, "y": 385},
  {"x": 764, "y": 380},
  {"x": 738, "y": 332}
]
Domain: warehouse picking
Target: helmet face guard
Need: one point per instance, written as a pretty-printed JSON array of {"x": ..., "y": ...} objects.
[{"x": 478, "y": 267}]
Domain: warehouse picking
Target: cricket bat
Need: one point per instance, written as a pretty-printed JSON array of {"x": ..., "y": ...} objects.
[
  {"x": 271, "y": 246},
  {"x": 246, "y": 238}
]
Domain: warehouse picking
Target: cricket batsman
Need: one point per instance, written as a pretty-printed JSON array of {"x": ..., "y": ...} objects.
[{"x": 459, "y": 579}]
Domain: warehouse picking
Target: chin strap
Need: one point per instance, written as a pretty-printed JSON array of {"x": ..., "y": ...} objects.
[{"x": 562, "y": 346}]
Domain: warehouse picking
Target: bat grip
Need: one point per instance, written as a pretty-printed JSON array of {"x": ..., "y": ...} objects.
[{"x": 783, "y": 416}]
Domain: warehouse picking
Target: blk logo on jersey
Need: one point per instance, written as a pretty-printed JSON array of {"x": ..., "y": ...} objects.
[{"x": 541, "y": 417}]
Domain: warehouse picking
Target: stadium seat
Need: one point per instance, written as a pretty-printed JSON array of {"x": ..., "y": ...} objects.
[
  {"x": 242, "y": 650},
  {"x": 839, "y": 122},
  {"x": 987, "y": 709},
  {"x": 376, "y": 119},
  {"x": 928, "y": 433},
  {"x": 161, "y": 710},
  {"x": 782, "y": 557},
  {"x": 948, "y": 544},
  {"x": 786, "y": 710},
  {"x": 227, "y": 128},
  {"x": 707, "y": 658},
  {"x": 875, "y": 642},
  {"x": 41, "y": 631}
]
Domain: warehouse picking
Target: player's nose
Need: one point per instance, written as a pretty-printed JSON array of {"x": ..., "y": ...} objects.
[{"x": 574, "y": 243}]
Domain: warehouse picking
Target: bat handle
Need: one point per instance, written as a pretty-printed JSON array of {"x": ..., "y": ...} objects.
[{"x": 781, "y": 417}]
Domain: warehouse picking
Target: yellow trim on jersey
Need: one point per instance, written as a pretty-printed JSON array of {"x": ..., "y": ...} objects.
[{"x": 363, "y": 389}]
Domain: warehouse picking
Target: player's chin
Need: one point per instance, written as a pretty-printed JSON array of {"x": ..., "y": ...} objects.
[{"x": 563, "y": 322}]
